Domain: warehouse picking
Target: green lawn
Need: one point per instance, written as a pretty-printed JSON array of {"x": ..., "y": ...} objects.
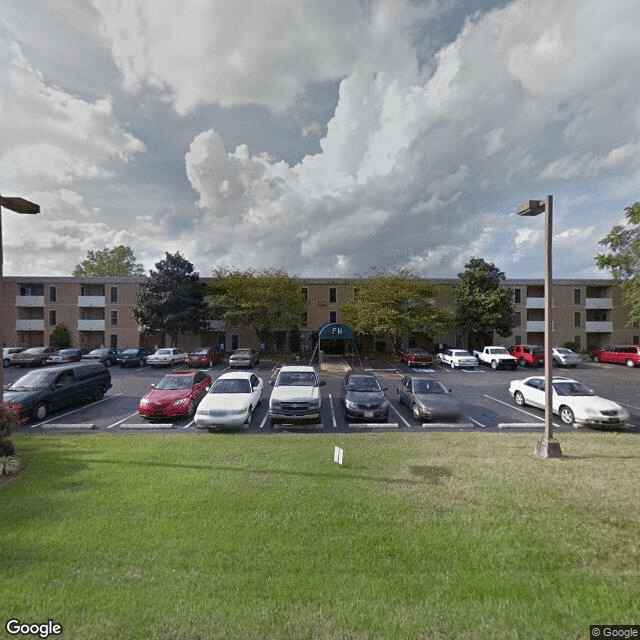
[{"x": 440, "y": 535}]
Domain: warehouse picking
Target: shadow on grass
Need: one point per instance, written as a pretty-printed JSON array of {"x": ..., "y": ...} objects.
[{"x": 434, "y": 475}]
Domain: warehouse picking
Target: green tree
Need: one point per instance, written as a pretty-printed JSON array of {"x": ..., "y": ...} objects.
[
  {"x": 482, "y": 304},
  {"x": 395, "y": 304},
  {"x": 624, "y": 259},
  {"x": 119, "y": 261},
  {"x": 265, "y": 300},
  {"x": 60, "y": 337},
  {"x": 171, "y": 300}
]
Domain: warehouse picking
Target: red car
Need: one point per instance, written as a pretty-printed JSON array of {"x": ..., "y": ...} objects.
[
  {"x": 416, "y": 357},
  {"x": 203, "y": 358},
  {"x": 628, "y": 354},
  {"x": 176, "y": 395},
  {"x": 527, "y": 354}
]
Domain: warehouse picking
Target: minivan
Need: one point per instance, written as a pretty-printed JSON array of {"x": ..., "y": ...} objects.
[{"x": 41, "y": 391}]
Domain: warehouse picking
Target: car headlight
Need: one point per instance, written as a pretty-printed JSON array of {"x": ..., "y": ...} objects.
[
  {"x": 348, "y": 403},
  {"x": 384, "y": 404},
  {"x": 182, "y": 401},
  {"x": 144, "y": 402},
  {"x": 314, "y": 403},
  {"x": 274, "y": 404}
]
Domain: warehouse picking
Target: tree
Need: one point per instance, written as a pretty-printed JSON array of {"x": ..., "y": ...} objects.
[
  {"x": 395, "y": 304},
  {"x": 265, "y": 300},
  {"x": 624, "y": 259},
  {"x": 60, "y": 337},
  {"x": 482, "y": 304},
  {"x": 171, "y": 300},
  {"x": 119, "y": 261}
]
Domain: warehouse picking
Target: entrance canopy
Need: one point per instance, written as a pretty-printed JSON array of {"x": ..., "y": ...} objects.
[{"x": 335, "y": 331}]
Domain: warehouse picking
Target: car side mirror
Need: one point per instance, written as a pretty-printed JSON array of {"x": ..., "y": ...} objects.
[
  {"x": 272, "y": 382},
  {"x": 322, "y": 383},
  {"x": 384, "y": 388},
  {"x": 152, "y": 386}
]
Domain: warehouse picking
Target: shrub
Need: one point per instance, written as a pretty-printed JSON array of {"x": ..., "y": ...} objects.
[
  {"x": 8, "y": 464},
  {"x": 9, "y": 420}
]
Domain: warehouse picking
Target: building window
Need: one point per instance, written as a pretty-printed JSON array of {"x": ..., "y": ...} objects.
[
  {"x": 517, "y": 339},
  {"x": 114, "y": 294},
  {"x": 234, "y": 342},
  {"x": 305, "y": 294},
  {"x": 577, "y": 294},
  {"x": 577, "y": 318},
  {"x": 114, "y": 317},
  {"x": 304, "y": 319},
  {"x": 576, "y": 339},
  {"x": 52, "y": 318},
  {"x": 636, "y": 339},
  {"x": 333, "y": 295},
  {"x": 332, "y": 316},
  {"x": 517, "y": 296},
  {"x": 114, "y": 341},
  {"x": 518, "y": 315},
  {"x": 52, "y": 294}
]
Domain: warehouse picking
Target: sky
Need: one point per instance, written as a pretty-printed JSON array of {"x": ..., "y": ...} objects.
[{"x": 323, "y": 137}]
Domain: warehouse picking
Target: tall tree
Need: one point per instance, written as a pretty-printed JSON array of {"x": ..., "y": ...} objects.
[
  {"x": 171, "y": 299},
  {"x": 265, "y": 300},
  {"x": 624, "y": 259},
  {"x": 395, "y": 304},
  {"x": 482, "y": 304},
  {"x": 119, "y": 261}
]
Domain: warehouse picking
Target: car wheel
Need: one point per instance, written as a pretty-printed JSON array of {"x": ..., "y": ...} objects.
[
  {"x": 556, "y": 362},
  {"x": 523, "y": 362},
  {"x": 40, "y": 411},
  {"x": 43, "y": 362},
  {"x": 191, "y": 410},
  {"x": 596, "y": 359},
  {"x": 629, "y": 363},
  {"x": 6, "y": 362},
  {"x": 566, "y": 415},
  {"x": 248, "y": 420},
  {"x": 494, "y": 364},
  {"x": 172, "y": 364},
  {"x": 519, "y": 398},
  {"x": 416, "y": 412},
  {"x": 98, "y": 394},
  {"x": 453, "y": 366}
]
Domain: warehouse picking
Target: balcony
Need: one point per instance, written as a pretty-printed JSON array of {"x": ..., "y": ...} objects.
[
  {"x": 30, "y": 325},
  {"x": 535, "y": 303},
  {"x": 598, "y": 303},
  {"x": 598, "y": 327},
  {"x": 535, "y": 326},
  {"x": 91, "y": 325},
  {"x": 91, "y": 301},
  {"x": 29, "y": 301}
]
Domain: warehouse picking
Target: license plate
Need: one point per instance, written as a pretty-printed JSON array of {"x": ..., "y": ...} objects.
[{"x": 368, "y": 414}]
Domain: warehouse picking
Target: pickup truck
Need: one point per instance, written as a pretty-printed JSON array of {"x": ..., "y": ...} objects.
[{"x": 496, "y": 358}]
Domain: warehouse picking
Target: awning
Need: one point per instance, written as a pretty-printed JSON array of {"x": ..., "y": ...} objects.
[{"x": 335, "y": 331}]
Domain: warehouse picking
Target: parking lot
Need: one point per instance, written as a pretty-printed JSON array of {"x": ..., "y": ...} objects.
[{"x": 483, "y": 393}]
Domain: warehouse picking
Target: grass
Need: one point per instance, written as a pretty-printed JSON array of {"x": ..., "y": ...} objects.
[{"x": 415, "y": 536}]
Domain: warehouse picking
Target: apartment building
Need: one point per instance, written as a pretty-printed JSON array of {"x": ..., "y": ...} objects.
[{"x": 97, "y": 311}]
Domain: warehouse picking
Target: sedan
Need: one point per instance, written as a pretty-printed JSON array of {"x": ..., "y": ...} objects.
[
  {"x": 416, "y": 357},
  {"x": 363, "y": 398},
  {"x": 203, "y": 358},
  {"x": 456, "y": 358},
  {"x": 35, "y": 355},
  {"x": 65, "y": 355},
  {"x": 230, "y": 401},
  {"x": 563, "y": 357},
  {"x": 176, "y": 395},
  {"x": 166, "y": 357},
  {"x": 133, "y": 357},
  {"x": 8, "y": 354},
  {"x": 244, "y": 358},
  {"x": 572, "y": 401},
  {"x": 428, "y": 399},
  {"x": 107, "y": 357}
]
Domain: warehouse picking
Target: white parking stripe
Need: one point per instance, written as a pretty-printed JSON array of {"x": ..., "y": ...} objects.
[
  {"x": 115, "y": 424},
  {"x": 82, "y": 408},
  {"x": 399, "y": 416},
  {"x": 506, "y": 404},
  {"x": 333, "y": 413}
]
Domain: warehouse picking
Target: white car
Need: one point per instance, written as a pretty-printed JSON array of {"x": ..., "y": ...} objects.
[
  {"x": 572, "y": 401},
  {"x": 8, "y": 353},
  {"x": 230, "y": 401},
  {"x": 563, "y": 357},
  {"x": 457, "y": 358},
  {"x": 166, "y": 357},
  {"x": 296, "y": 396}
]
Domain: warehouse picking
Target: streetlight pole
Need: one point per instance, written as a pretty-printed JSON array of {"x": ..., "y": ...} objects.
[
  {"x": 19, "y": 205},
  {"x": 546, "y": 447}
]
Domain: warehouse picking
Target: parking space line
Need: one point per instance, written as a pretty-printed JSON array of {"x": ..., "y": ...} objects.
[
  {"x": 482, "y": 426},
  {"x": 506, "y": 404},
  {"x": 333, "y": 414},
  {"x": 115, "y": 424},
  {"x": 399, "y": 416},
  {"x": 82, "y": 408}
]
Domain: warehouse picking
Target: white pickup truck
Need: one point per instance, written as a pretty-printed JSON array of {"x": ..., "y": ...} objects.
[{"x": 496, "y": 358}]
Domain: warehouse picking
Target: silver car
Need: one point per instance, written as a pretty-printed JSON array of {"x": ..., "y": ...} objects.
[
  {"x": 8, "y": 354},
  {"x": 244, "y": 358},
  {"x": 428, "y": 399},
  {"x": 166, "y": 357},
  {"x": 563, "y": 357}
]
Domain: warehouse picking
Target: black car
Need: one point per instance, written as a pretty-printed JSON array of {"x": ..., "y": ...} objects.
[
  {"x": 65, "y": 355},
  {"x": 42, "y": 391},
  {"x": 133, "y": 357},
  {"x": 363, "y": 398},
  {"x": 107, "y": 357}
]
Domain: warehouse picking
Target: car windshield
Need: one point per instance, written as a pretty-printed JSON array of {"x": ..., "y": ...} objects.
[
  {"x": 499, "y": 350},
  {"x": 537, "y": 350},
  {"x": 417, "y": 352},
  {"x": 428, "y": 386},
  {"x": 128, "y": 352},
  {"x": 296, "y": 379},
  {"x": 231, "y": 385},
  {"x": 97, "y": 352},
  {"x": 33, "y": 380},
  {"x": 363, "y": 384},
  {"x": 564, "y": 351},
  {"x": 175, "y": 383},
  {"x": 461, "y": 354},
  {"x": 201, "y": 352},
  {"x": 163, "y": 352},
  {"x": 242, "y": 352},
  {"x": 571, "y": 388}
]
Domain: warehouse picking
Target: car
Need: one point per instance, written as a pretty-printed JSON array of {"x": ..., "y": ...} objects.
[
  {"x": 295, "y": 398},
  {"x": 244, "y": 358},
  {"x": 39, "y": 392},
  {"x": 572, "y": 401},
  {"x": 133, "y": 357},
  {"x": 428, "y": 399},
  {"x": 628, "y": 354},
  {"x": 33, "y": 356},
  {"x": 107, "y": 357},
  {"x": 416, "y": 357},
  {"x": 527, "y": 354},
  {"x": 230, "y": 401},
  {"x": 563, "y": 357},
  {"x": 176, "y": 395},
  {"x": 167, "y": 356},
  {"x": 457, "y": 358},
  {"x": 8, "y": 354},
  {"x": 363, "y": 398},
  {"x": 204, "y": 358},
  {"x": 65, "y": 355}
]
